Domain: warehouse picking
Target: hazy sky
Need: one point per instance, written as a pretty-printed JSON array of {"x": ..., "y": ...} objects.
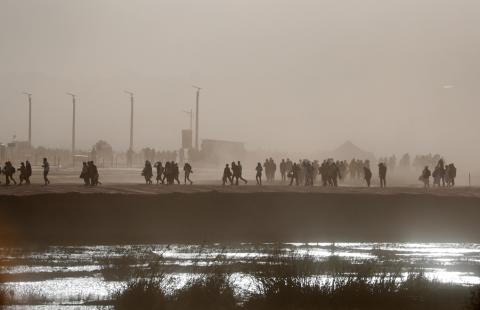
[{"x": 276, "y": 74}]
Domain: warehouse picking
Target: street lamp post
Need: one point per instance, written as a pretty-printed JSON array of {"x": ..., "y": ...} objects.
[
  {"x": 130, "y": 149},
  {"x": 73, "y": 127},
  {"x": 131, "y": 119},
  {"x": 29, "y": 118},
  {"x": 196, "y": 116},
  {"x": 190, "y": 113}
]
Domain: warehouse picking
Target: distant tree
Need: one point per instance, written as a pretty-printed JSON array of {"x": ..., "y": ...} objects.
[
  {"x": 102, "y": 151},
  {"x": 194, "y": 155},
  {"x": 148, "y": 154},
  {"x": 41, "y": 150},
  {"x": 405, "y": 161},
  {"x": 392, "y": 163}
]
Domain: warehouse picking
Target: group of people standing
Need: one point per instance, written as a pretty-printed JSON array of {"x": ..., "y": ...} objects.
[
  {"x": 166, "y": 174},
  {"x": 356, "y": 168},
  {"x": 270, "y": 168},
  {"x": 25, "y": 170},
  {"x": 382, "y": 174},
  {"x": 443, "y": 175}
]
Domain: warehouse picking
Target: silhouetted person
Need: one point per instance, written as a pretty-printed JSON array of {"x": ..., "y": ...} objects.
[
  {"x": 288, "y": 166},
  {"x": 316, "y": 167},
  {"x": 425, "y": 177},
  {"x": 147, "y": 172},
  {"x": 227, "y": 175},
  {"x": 333, "y": 174},
  {"x": 323, "y": 170},
  {"x": 452, "y": 174},
  {"x": 266, "y": 167},
  {"x": 382, "y": 173},
  {"x": 441, "y": 170},
  {"x": 187, "y": 168},
  {"x": 283, "y": 170},
  {"x": 46, "y": 170},
  {"x": 309, "y": 169},
  {"x": 8, "y": 171},
  {"x": 367, "y": 174},
  {"x": 12, "y": 171},
  {"x": 23, "y": 173},
  {"x": 90, "y": 173},
  {"x": 28, "y": 166},
  {"x": 235, "y": 173},
  {"x": 160, "y": 172},
  {"x": 294, "y": 174},
  {"x": 437, "y": 174},
  {"x": 176, "y": 173},
  {"x": 95, "y": 177},
  {"x": 258, "y": 176},
  {"x": 168, "y": 173},
  {"x": 84, "y": 174},
  {"x": 273, "y": 170},
  {"x": 240, "y": 172}
]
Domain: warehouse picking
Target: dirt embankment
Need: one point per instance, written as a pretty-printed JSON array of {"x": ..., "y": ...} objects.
[{"x": 97, "y": 218}]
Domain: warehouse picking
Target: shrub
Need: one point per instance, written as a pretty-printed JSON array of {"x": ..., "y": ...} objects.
[
  {"x": 3, "y": 297},
  {"x": 475, "y": 299},
  {"x": 354, "y": 292},
  {"x": 145, "y": 294},
  {"x": 209, "y": 292}
]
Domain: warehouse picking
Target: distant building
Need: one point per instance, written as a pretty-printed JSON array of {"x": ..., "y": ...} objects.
[
  {"x": 3, "y": 153},
  {"x": 187, "y": 139},
  {"x": 18, "y": 150},
  {"x": 221, "y": 151}
]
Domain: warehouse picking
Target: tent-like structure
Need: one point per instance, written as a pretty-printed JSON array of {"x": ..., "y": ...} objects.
[{"x": 347, "y": 151}]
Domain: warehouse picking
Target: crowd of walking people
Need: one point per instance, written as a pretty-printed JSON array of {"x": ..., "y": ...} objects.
[
  {"x": 443, "y": 175},
  {"x": 166, "y": 174},
  {"x": 305, "y": 172},
  {"x": 331, "y": 172},
  {"x": 25, "y": 172},
  {"x": 90, "y": 174},
  {"x": 233, "y": 174}
]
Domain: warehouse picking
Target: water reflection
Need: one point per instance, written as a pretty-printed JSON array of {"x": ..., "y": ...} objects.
[{"x": 71, "y": 275}]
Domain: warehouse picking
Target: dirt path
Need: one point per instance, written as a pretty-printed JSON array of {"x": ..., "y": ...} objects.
[
  {"x": 142, "y": 189},
  {"x": 134, "y": 213}
]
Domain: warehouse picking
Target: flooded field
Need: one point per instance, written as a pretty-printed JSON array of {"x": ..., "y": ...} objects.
[{"x": 73, "y": 277}]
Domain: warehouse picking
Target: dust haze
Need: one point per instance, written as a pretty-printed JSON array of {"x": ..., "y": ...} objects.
[{"x": 285, "y": 76}]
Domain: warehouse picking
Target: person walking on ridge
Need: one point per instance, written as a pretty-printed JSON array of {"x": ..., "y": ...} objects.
[
  {"x": 258, "y": 176},
  {"x": 46, "y": 171}
]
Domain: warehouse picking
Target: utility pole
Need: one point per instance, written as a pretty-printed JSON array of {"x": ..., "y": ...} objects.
[
  {"x": 196, "y": 117},
  {"x": 29, "y": 118},
  {"x": 73, "y": 127},
  {"x": 130, "y": 149},
  {"x": 131, "y": 120}
]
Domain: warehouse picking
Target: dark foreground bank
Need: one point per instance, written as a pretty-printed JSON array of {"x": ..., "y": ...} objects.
[{"x": 79, "y": 218}]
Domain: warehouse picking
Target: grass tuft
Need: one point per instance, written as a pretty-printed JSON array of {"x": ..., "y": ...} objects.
[
  {"x": 209, "y": 292},
  {"x": 145, "y": 294}
]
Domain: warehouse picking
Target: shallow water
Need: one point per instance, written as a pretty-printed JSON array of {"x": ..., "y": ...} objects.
[{"x": 65, "y": 277}]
